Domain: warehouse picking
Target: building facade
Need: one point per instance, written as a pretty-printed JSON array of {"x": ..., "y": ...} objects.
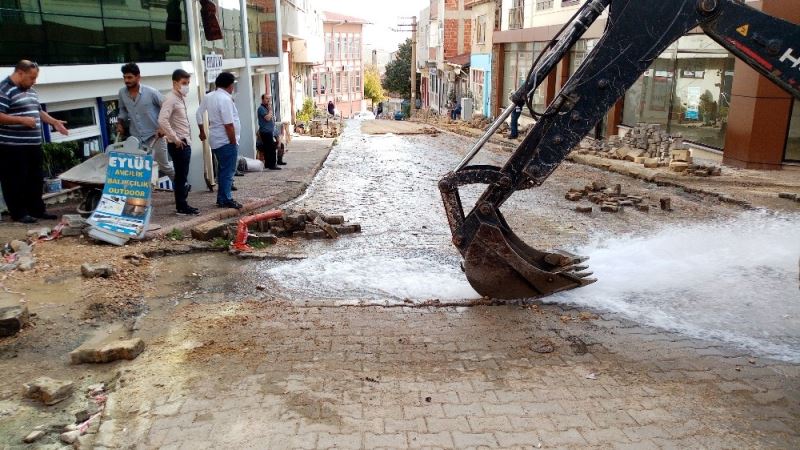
[
  {"x": 695, "y": 88},
  {"x": 340, "y": 78},
  {"x": 485, "y": 19},
  {"x": 81, "y": 45}
]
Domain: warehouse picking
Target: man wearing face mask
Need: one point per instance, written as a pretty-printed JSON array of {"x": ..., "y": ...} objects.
[
  {"x": 174, "y": 121},
  {"x": 21, "y": 118},
  {"x": 223, "y": 134},
  {"x": 139, "y": 106}
]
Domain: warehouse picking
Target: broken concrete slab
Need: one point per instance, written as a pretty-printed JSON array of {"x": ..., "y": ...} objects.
[
  {"x": 21, "y": 247},
  {"x": 209, "y": 230},
  {"x": 105, "y": 352},
  {"x": 48, "y": 390},
  {"x": 678, "y": 166},
  {"x": 788, "y": 195},
  {"x": 97, "y": 270},
  {"x": 13, "y": 319},
  {"x": 40, "y": 232},
  {"x": 26, "y": 263}
]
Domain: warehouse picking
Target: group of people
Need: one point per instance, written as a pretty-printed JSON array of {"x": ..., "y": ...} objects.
[{"x": 160, "y": 123}]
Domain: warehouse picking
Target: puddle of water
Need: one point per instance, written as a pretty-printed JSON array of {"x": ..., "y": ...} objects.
[{"x": 735, "y": 282}]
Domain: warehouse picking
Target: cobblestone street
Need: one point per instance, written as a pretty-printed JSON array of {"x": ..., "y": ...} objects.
[
  {"x": 372, "y": 342},
  {"x": 273, "y": 376}
]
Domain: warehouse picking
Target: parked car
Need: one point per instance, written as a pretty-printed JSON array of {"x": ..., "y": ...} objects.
[
  {"x": 364, "y": 115},
  {"x": 398, "y": 115}
]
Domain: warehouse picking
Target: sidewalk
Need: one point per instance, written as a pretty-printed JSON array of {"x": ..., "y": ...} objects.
[{"x": 269, "y": 189}]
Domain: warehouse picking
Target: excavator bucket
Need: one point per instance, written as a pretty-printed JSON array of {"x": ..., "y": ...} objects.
[{"x": 499, "y": 264}]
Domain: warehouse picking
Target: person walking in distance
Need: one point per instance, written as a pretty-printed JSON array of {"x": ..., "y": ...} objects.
[
  {"x": 224, "y": 130},
  {"x": 266, "y": 128},
  {"x": 139, "y": 106},
  {"x": 21, "y": 156},
  {"x": 174, "y": 121},
  {"x": 331, "y": 108}
]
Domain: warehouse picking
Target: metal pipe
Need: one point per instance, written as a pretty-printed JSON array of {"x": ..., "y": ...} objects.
[
  {"x": 486, "y": 136},
  {"x": 584, "y": 18}
]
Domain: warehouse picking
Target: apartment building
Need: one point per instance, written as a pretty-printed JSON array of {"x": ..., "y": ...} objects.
[
  {"x": 695, "y": 88},
  {"x": 485, "y": 16},
  {"x": 340, "y": 77},
  {"x": 449, "y": 39}
]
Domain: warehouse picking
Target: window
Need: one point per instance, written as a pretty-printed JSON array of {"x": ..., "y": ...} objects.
[
  {"x": 337, "y": 89},
  {"x": 315, "y": 85},
  {"x": 328, "y": 47},
  {"x": 358, "y": 89},
  {"x": 262, "y": 27},
  {"x": 62, "y": 33},
  {"x": 543, "y": 4},
  {"x": 480, "y": 29},
  {"x": 358, "y": 54},
  {"x": 569, "y": 3},
  {"x": 337, "y": 50}
]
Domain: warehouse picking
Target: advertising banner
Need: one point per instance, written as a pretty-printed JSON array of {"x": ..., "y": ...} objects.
[{"x": 124, "y": 210}]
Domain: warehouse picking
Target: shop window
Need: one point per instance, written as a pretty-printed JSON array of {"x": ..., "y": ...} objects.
[
  {"x": 687, "y": 90},
  {"x": 793, "y": 140}
]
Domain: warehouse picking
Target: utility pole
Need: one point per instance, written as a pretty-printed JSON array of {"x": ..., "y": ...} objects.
[{"x": 413, "y": 29}]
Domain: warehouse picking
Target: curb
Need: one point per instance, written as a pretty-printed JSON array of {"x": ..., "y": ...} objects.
[{"x": 267, "y": 203}]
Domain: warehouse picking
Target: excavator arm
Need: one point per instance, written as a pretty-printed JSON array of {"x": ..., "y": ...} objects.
[{"x": 499, "y": 264}]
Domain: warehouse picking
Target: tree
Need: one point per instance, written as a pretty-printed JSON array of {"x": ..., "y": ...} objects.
[
  {"x": 398, "y": 72},
  {"x": 372, "y": 85}
]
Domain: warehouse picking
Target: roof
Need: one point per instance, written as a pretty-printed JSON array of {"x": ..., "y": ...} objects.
[
  {"x": 336, "y": 17},
  {"x": 460, "y": 60}
]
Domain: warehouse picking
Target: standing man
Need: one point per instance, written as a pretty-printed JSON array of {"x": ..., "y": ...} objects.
[
  {"x": 266, "y": 129},
  {"x": 21, "y": 118},
  {"x": 139, "y": 106},
  {"x": 173, "y": 119},
  {"x": 223, "y": 134}
]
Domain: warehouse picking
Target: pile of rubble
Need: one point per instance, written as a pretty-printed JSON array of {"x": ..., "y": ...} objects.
[
  {"x": 294, "y": 224},
  {"x": 305, "y": 225},
  {"x": 325, "y": 128},
  {"x": 649, "y": 145},
  {"x": 611, "y": 199}
]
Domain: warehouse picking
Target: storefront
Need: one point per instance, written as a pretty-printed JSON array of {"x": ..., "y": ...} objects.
[{"x": 687, "y": 90}]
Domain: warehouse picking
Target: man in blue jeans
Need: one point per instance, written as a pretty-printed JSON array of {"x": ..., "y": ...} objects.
[{"x": 224, "y": 131}]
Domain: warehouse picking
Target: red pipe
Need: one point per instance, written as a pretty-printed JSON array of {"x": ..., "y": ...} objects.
[{"x": 241, "y": 233}]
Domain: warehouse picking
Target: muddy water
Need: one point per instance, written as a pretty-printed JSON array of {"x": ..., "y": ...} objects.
[{"x": 706, "y": 271}]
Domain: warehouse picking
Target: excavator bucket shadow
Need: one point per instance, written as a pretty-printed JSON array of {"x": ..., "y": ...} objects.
[{"x": 499, "y": 264}]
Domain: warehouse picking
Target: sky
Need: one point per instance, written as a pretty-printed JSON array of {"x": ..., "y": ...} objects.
[{"x": 384, "y": 15}]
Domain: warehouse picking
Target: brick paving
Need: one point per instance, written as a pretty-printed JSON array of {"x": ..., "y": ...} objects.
[{"x": 272, "y": 375}]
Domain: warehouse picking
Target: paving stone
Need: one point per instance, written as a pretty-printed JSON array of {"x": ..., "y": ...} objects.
[
  {"x": 395, "y": 440},
  {"x": 604, "y": 436},
  {"x": 344, "y": 441},
  {"x": 645, "y": 432},
  {"x": 569, "y": 437},
  {"x": 441, "y": 440},
  {"x": 436, "y": 425},
  {"x": 108, "y": 351},
  {"x": 489, "y": 424},
  {"x": 48, "y": 390},
  {"x": 13, "y": 319},
  {"x": 463, "y": 440},
  {"x": 209, "y": 230},
  {"x": 517, "y": 439}
]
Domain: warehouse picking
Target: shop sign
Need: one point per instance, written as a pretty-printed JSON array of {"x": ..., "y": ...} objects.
[
  {"x": 213, "y": 63},
  {"x": 124, "y": 209}
]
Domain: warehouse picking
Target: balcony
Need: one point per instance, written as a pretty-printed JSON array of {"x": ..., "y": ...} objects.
[{"x": 516, "y": 18}]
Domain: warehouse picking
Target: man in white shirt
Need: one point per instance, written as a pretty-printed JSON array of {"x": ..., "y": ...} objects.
[{"x": 223, "y": 134}]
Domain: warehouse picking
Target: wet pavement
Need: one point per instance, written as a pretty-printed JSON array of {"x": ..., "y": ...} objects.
[{"x": 377, "y": 340}]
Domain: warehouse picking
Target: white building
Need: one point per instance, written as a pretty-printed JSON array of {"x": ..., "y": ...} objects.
[{"x": 81, "y": 45}]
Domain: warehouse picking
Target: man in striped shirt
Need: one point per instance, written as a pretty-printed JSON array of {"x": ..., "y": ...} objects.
[{"x": 21, "y": 158}]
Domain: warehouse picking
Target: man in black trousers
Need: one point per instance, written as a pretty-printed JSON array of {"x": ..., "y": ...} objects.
[
  {"x": 266, "y": 127},
  {"x": 21, "y": 157}
]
